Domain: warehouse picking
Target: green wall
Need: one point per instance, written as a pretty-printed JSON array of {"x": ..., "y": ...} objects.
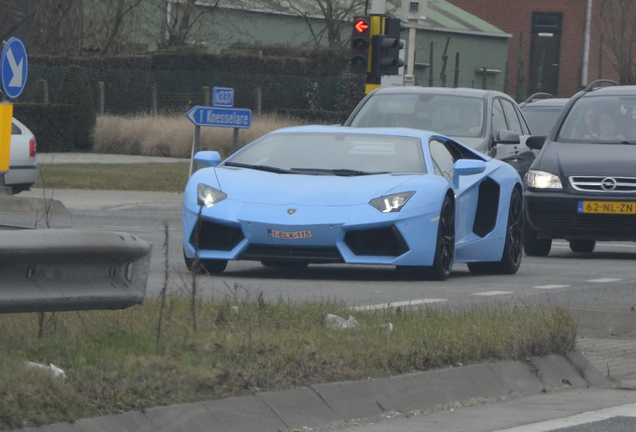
[{"x": 475, "y": 52}]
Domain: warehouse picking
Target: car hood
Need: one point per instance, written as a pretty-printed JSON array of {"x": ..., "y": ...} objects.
[
  {"x": 270, "y": 188},
  {"x": 568, "y": 159}
]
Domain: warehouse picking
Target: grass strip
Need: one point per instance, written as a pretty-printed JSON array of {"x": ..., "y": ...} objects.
[
  {"x": 160, "y": 177},
  {"x": 114, "y": 361}
]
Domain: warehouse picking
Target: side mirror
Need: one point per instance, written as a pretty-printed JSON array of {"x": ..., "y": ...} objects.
[
  {"x": 208, "y": 158},
  {"x": 466, "y": 167},
  {"x": 508, "y": 137},
  {"x": 535, "y": 142}
]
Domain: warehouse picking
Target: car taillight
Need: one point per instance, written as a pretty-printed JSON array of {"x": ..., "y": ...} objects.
[{"x": 32, "y": 147}]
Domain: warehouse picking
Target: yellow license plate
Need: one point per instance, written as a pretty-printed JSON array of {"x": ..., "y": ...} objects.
[{"x": 607, "y": 207}]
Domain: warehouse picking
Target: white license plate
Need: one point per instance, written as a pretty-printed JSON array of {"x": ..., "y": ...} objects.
[{"x": 289, "y": 235}]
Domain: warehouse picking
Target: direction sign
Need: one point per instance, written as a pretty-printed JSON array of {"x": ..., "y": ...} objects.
[
  {"x": 13, "y": 68},
  {"x": 240, "y": 118},
  {"x": 223, "y": 97}
]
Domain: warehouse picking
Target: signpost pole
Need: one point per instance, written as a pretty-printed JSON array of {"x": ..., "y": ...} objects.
[
  {"x": 195, "y": 148},
  {"x": 235, "y": 140}
]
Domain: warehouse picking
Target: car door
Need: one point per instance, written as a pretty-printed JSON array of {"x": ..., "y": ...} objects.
[
  {"x": 510, "y": 118},
  {"x": 444, "y": 154}
]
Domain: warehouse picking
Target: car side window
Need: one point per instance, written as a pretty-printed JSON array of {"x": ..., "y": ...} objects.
[
  {"x": 498, "y": 118},
  {"x": 522, "y": 119},
  {"x": 443, "y": 159},
  {"x": 511, "y": 116},
  {"x": 15, "y": 130}
]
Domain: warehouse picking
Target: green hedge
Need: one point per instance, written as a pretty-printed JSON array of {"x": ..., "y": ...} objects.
[
  {"x": 53, "y": 125},
  {"x": 76, "y": 91},
  {"x": 317, "y": 62}
]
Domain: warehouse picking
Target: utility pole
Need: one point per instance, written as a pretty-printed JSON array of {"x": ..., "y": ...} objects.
[{"x": 412, "y": 11}]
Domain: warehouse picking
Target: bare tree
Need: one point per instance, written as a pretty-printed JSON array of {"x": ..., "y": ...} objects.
[
  {"x": 325, "y": 19},
  {"x": 182, "y": 16},
  {"x": 110, "y": 25},
  {"x": 45, "y": 26},
  {"x": 619, "y": 32}
]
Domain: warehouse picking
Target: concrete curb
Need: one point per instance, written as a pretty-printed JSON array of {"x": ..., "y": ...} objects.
[{"x": 320, "y": 404}]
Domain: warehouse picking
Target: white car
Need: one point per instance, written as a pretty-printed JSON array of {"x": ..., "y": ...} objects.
[{"x": 23, "y": 169}]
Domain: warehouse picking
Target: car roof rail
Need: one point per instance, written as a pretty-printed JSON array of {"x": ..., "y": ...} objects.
[
  {"x": 538, "y": 96},
  {"x": 595, "y": 84}
]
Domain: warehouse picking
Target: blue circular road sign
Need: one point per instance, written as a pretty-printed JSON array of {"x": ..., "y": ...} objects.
[{"x": 13, "y": 68}]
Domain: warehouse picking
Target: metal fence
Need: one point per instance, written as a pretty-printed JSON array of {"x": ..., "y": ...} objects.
[{"x": 118, "y": 91}]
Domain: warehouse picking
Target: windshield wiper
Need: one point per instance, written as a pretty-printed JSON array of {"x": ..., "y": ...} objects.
[
  {"x": 338, "y": 172},
  {"x": 258, "y": 167}
]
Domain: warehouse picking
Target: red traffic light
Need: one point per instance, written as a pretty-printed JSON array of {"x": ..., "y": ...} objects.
[{"x": 361, "y": 25}]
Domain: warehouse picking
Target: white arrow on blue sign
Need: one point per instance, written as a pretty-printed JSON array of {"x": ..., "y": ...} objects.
[
  {"x": 240, "y": 118},
  {"x": 13, "y": 68}
]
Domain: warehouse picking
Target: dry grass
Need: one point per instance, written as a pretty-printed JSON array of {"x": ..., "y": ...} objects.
[
  {"x": 244, "y": 345},
  {"x": 172, "y": 136}
]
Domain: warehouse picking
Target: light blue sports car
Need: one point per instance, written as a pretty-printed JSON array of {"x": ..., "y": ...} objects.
[{"x": 328, "y": 194}]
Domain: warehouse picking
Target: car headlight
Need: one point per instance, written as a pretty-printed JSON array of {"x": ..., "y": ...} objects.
[
  {"x": 391, "y": 203},
  {"x": 208, "y": 196},
  {"x": 543, "y": 180}
]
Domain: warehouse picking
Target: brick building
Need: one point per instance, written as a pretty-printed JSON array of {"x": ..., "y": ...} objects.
[{"x": 549, "y": 41}]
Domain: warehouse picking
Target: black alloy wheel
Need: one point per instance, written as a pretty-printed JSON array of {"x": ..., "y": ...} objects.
[
  {"x": 445, "y": 250},
  {"x": 513, "y": 247}
]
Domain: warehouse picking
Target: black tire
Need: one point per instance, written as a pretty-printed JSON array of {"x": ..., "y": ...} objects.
[
  {"x": 209, "y": 266},
  {"x": 284, "y": 264},
  {"x": 532, "y": 245},
  {"x": 445, "y": 249},
  {"x": 513, "y": 247},
  {"x": 582, "y": 246}
]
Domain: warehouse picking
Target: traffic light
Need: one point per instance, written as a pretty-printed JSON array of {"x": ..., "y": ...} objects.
[
  {"x": 386, "y": 49},
  {"x": 360, "y": 42}
]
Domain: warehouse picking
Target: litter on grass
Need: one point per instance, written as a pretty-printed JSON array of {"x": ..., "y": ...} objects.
[{"x": 58, "y": 372}]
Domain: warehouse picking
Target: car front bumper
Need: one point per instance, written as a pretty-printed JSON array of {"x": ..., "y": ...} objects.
[
  {"x": 556, "y": 215},
  {"x": 355, "y": 234}
]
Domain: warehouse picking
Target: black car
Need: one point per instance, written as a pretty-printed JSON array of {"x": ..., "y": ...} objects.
[
  {"x": 541, "y": 114},
  {"x": 485, "y": 120},
  {"x": 582, "y": 186}
]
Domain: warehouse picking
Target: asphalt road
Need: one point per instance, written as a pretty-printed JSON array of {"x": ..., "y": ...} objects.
[{"x": 603, "y": 280}]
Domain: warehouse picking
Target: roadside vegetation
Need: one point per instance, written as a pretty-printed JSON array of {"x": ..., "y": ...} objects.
[
  {"x": 167, "y": 136},
  {"x": 157, "y": 177},
  {"x": 172, "y": 136},
  {"x": 238, "y": 343}
]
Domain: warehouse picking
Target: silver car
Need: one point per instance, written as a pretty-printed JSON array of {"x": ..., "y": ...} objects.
[
  {"x": 23, "y": 169},
  {"x": 487, "y": 121}
]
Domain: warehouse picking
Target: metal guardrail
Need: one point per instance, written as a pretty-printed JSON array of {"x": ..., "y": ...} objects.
[{"x": 46, "y": 270}]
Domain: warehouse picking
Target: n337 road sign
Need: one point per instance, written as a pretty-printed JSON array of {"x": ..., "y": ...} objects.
[
  {"x": 223, "y": 97},
  {"x": 13, "y": 68},
  {"x": 239, "y": 118}
]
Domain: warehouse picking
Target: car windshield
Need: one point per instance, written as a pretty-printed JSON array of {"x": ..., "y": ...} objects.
[
  {"x": 454, "y": 116},
  {"x": 604, "y": 119},
  {"x": 333, "y": 153},
  {"x": 541, "y": 118}
]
